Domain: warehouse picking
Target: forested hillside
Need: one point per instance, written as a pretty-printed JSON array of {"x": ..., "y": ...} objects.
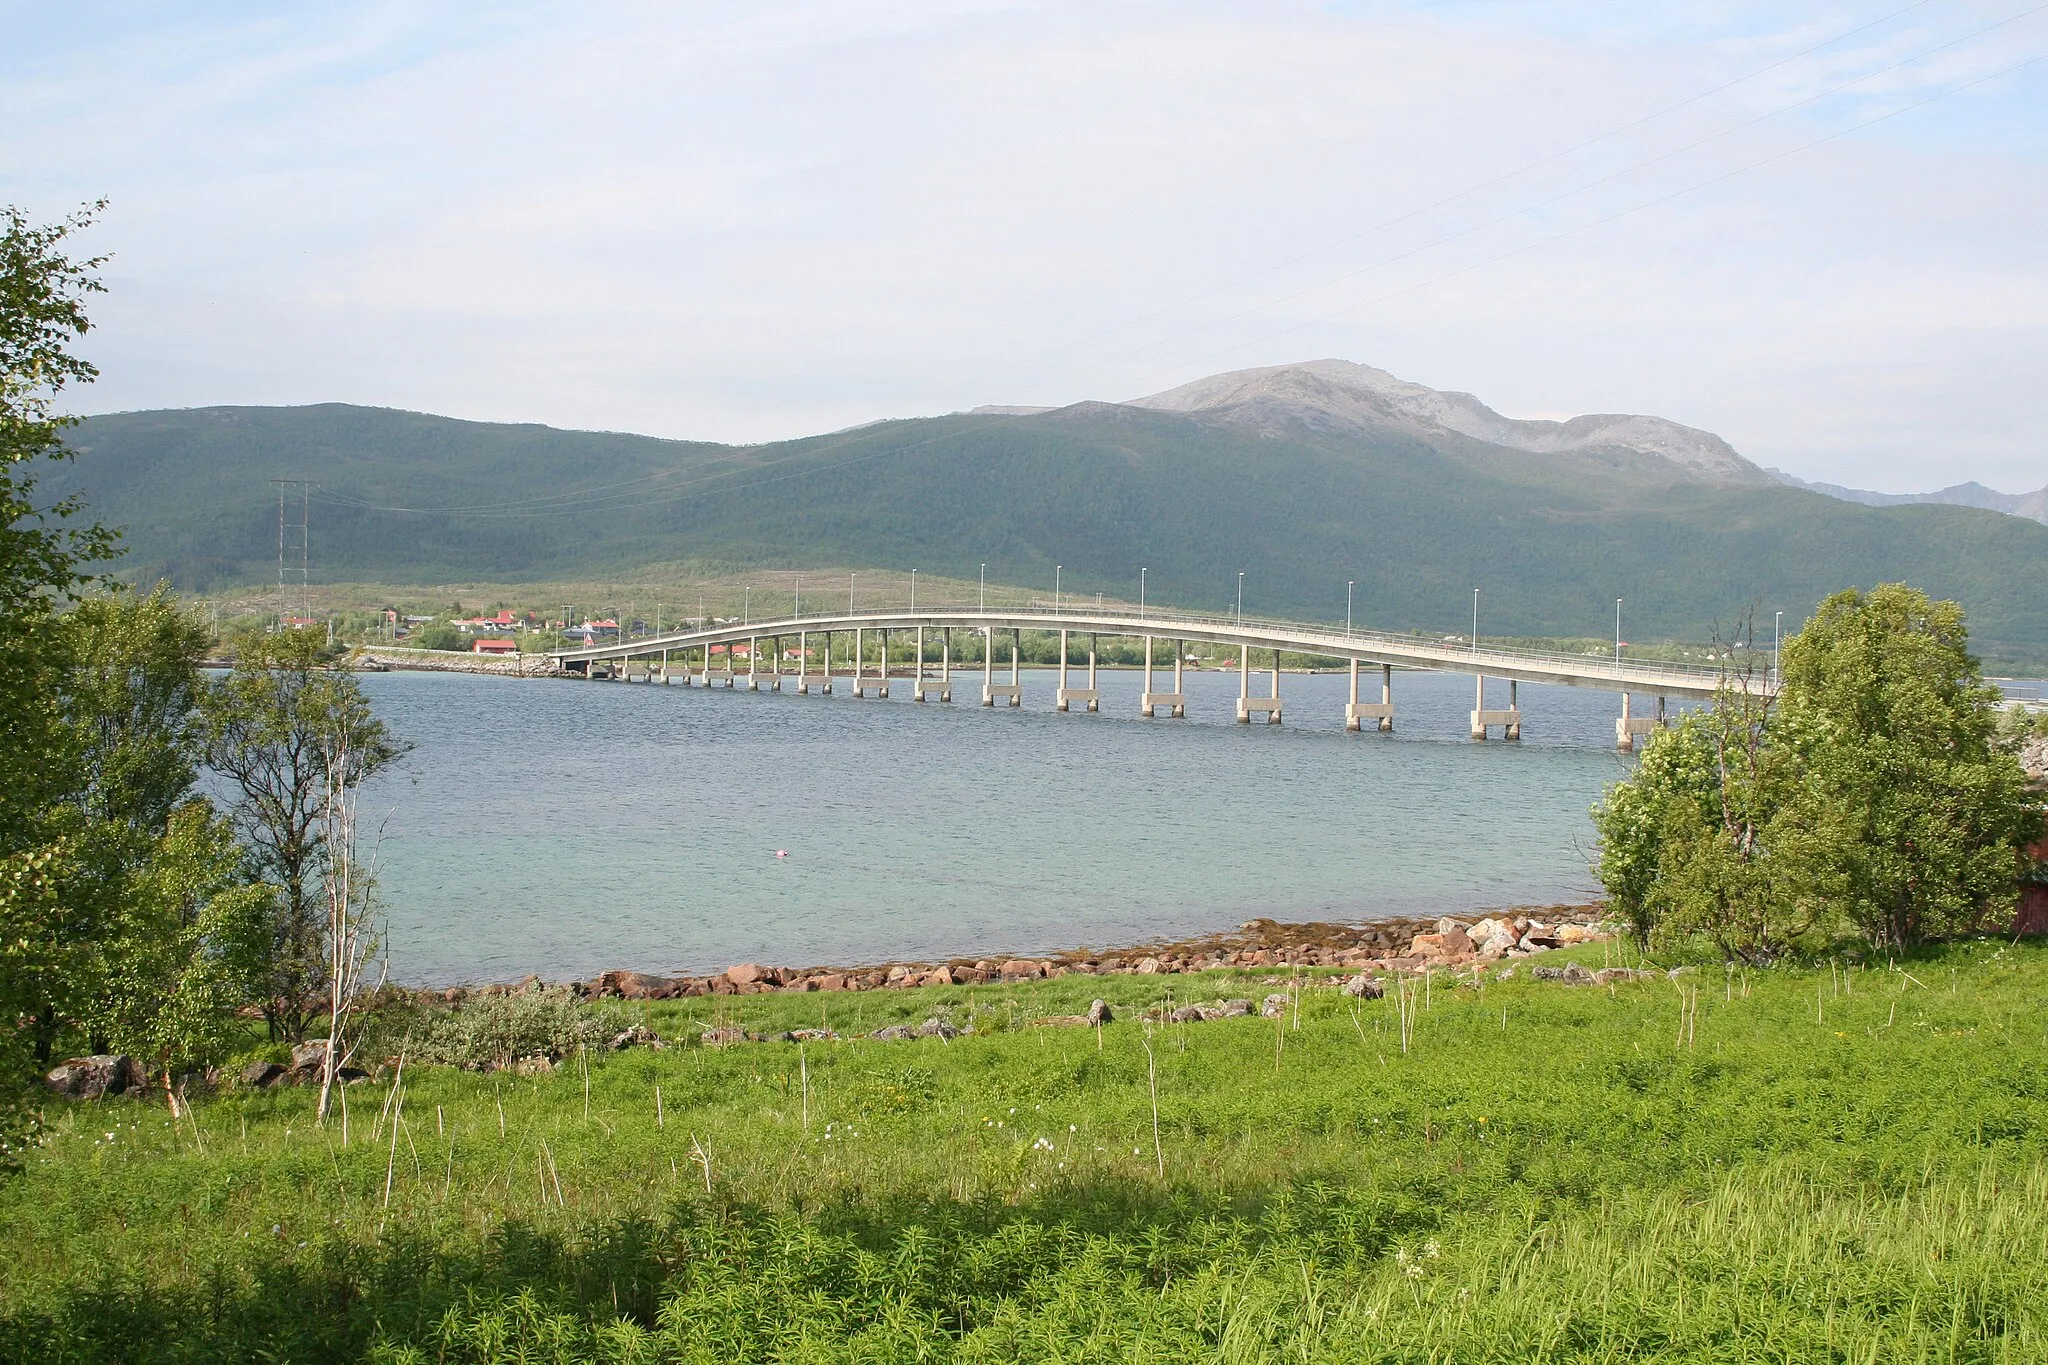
[{"x": 1101, "y": 489}]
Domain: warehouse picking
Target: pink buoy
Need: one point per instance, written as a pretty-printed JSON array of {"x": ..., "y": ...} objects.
[{"x": 782, "y": 853}]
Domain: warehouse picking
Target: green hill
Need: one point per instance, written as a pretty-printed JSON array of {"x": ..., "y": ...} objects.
[{"x": 1416, "y": 520}]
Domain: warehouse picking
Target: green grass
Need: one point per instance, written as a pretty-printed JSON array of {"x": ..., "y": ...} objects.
[{"x": 1843, "y": 1166}]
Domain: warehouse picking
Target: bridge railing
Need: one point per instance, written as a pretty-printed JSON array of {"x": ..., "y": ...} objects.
[{"x": 1150, "y": 620}]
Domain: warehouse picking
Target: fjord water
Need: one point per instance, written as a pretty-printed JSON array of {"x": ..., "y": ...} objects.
[{"x": 568, "y": 827}]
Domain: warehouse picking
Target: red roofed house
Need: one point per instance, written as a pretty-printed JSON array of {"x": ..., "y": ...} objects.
[{"x": 495, "y": 646}]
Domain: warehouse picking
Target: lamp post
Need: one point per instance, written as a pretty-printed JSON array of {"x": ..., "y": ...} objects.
[
  {"x": 1240, "y": 599},
  {"x": 1777, "y": 642},
  {"x": 798, "y": 609},
  {"x": 1475, "y": 621},
  {"x": 1055, "y": 587},
  {"x": 913, "y": 592},
  {"x": 747, "y": 605},
  {"x": 1617, "y": 632},
  {"x": 984, "y": 587},
  {"x": 850, "y": 579},
  {"x": 1141, "y": 592},
  {"x": 1348, "y": 586}
]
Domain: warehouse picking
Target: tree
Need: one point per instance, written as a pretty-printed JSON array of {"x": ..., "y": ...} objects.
[
  {"x": 44, "y": 554},
  {"x": 274, "y": 728},
  {"x": 1915, "y": 816},
  {"x": 1875, "y": 793}
]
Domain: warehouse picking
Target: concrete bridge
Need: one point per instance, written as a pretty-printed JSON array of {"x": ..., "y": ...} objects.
[{"x": 864, "y": 638}]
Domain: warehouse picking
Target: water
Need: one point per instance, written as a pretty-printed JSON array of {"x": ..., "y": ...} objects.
[{"x": 564, "y": 828}]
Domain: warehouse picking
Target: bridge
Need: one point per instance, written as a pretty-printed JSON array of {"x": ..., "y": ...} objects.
[{"x": 866, "y": 668}]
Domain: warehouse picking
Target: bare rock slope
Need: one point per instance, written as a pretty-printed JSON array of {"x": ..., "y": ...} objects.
[{"x": 1338, "y": 396}]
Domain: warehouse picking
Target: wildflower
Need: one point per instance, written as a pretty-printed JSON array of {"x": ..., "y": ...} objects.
[
  {"x": 1414, "y": 1272},
  {"x": 1432, "y": 1250}
]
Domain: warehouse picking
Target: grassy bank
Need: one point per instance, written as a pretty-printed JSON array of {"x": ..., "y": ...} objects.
[{"x": 1832, "y": 1164}]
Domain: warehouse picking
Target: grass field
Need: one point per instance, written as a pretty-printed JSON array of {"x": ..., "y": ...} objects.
[{"x": 1832, "y": 1163}]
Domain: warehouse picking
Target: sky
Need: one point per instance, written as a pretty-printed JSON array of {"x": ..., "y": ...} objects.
[{"x": 1819, "y": 230}]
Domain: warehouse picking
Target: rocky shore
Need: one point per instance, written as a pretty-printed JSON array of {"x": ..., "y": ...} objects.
[{"x": 1381, "y": 947}]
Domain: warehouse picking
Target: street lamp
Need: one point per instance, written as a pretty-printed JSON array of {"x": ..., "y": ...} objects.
[
  {"x": 1055, "y": 587},
  {"x": 1141, "y": 592},
  {"x": 747, "y": 605},
  {"x": 1349, "y": 584},
  {"x": 984, "y": 587},
  {"x": 798, "y": 609},
  {"x": 913, "y": 592},
  {"x": 850, "y": 578},
  {"x": 1617, "y": 632},
  {"x": 1475, "y": 620},
  {"x": 1240, "y": 599}
]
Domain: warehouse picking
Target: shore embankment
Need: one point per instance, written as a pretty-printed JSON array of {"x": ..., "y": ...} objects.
[{"x": 1382, "y": 947}]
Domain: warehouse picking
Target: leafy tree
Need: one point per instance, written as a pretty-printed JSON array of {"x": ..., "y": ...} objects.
[
  {"x": 44, "y": 555},
  {"x": 440, "y": 637},
  {"x": 274, "y": 728},
  {"x": 1915, "y": 815},
  {"x": 187, "y": 949},
  {"x": 1874, "y": 793}
]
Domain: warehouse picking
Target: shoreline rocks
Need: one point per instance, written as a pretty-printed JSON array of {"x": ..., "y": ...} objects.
[{"x": 1393, "y": 945}]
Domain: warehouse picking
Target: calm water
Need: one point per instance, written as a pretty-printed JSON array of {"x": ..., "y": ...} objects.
[{"x": 564, "y": 828}]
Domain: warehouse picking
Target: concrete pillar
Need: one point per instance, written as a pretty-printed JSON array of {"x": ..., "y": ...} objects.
[
  {"x": 859, "y": 649},
  {"x": 1387, "y": 698},
  {"x": 1513, "y": 729},
  {"x": 988, "y": 666},
  {"x": 946, "y": 664},
  {"x": 1145, "y": 697},
  {"x": 753, "y": 657},
  {"x": 664, "y": 668},
  {"x": 882, "y": 670},
  {"x": 825, "y": 669},
  {"x": 1060, "y": 693},
  {"x": 1351, "y": 706},
  {"x": 1244, "y": 685},
  {"x": 1624, "y": 733},
  {"x": 917, "y": 688},
  {"x": 1095, "y": 697},
  {"x": 1016, "y": 677},
  {"x": 1180, "y": 654}
]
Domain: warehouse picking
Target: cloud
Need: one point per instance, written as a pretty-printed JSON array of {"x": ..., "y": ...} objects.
[{"x": 743, "y": 222}]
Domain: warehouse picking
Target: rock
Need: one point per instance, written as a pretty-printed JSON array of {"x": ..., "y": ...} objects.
[
  {"x": 1186, "y": 1014},
  {"x": 1447, "y": 924},
  {"x": 1451, "y": 942},
  {"x": 1099, "y": 1013},
  {"x": 894, "y": 1033},
  {"x": 1234, "y": 1009},
  {"x": 1110, "y": 964},
  {"x": 310, "y": 1055},
  {"x": 640, "y": 986},
  {"x": 1148, "y": 966},
  {"x": 1574, "y": 933},
  {"x": 746, "y": 974},
  {"x": 528, "y": 984},
  {"x": 262, "y": 1075},
  {"x": 935, "y": 1028},
  {"x": 1571, "y": 975},
  {"x": 93, "y": 1078},
  {"x": 810, "y": 1035},
  {"x": 1275, "y": 1005},
  {"x": 1505, "y": 974},
  {"x": 831, "y": 981},
  {"x": 1364, "y": 986},
  {"x": 721, "y": 1037},
  {"x": 942, "y": 977},
  {"x": 1021, "y": 969},
  {"x": 636, "y": 1036}
]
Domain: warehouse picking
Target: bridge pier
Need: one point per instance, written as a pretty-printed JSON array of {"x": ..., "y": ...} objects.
[
  {"x": 753, "y": 673},
  {"x": 1381, "y": 712},
  {"x": 1509, "y": 721},
  {"x": 1247, "y": 704},
  {"x": 1065, "y": 694},
  {"x": 1012, "y": 691},
  {"x": 664, "y": 668},
  {"x": 946, "y": 664},
  {"x": 1175, "y": 702},
  {"x": 1628, "y": 727},
  {"x": 917, "y": 687}
]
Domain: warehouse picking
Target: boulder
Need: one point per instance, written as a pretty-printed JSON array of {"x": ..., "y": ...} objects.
[
  {"x": 1149, "y": 966},
  {"x": 1275, "y": 1005},
  {"x": 1364, "y": 986},
  {"x": 640, "y": 986},
  {"x": 831, "y": 981},
  {"x": 1571, "y": 974},
  {"x": 1574, "y": 933},
  {"x": 262, "y": 1075},
  {"x": 93, "y": 1078},
  {"x": 746, "y": 974},
  {"x": 1021, "y": 969},
  {"x": 893, "y": 1033},
  {"x": 1187, "y": 1014},
  {"x": 943, "y": 976},
  {"x": 1451, "y": 942},
  {"x": 935, "y": 1028},
  {"x": 1099, "y": 1013},
  {"x": 1234, "y": 1009},
  {"x": 310, "y": 1055}
]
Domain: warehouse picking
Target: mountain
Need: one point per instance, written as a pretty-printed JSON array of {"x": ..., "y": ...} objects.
[
  {"x": 1342, "y": 398},
  {"x": 1303, "y": 477},
  {"x": 2033, "y": 506}
]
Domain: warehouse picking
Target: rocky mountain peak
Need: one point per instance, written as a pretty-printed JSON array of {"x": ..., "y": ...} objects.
[{"x": 1339, "y": 396}]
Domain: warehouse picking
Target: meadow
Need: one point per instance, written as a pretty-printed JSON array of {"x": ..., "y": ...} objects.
[{"x": 1840, "y": 1161}]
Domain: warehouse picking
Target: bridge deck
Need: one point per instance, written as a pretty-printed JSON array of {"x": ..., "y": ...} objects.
[{"x": 1408, "y": 651}]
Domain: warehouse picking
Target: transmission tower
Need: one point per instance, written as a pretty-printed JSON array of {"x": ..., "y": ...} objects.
[{"x": 294, "y": 550}]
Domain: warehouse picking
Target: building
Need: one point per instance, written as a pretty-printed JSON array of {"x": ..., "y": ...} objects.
[{"x": 490, "y": 645}]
